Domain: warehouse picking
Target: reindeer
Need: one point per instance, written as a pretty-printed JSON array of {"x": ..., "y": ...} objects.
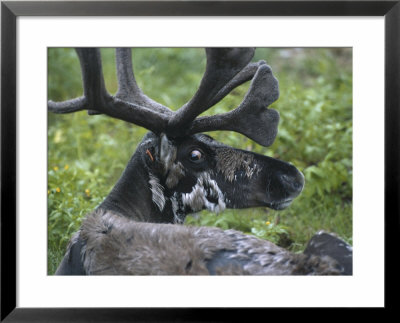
[{"x": 177, "y": 170}]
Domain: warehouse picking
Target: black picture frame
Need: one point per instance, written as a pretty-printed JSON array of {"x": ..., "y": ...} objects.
[{"x": 11, "y": 10}]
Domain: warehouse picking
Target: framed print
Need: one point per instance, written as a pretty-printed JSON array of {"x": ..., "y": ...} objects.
[{"x": 368, "y": 31}]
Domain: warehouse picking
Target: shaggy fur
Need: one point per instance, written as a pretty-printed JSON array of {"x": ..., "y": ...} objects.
[
  {"x": 157, "y": 191},
  {"x": 115, "y": 245}
]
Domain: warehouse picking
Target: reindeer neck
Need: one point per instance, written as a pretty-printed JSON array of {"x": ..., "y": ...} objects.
[{"x": 131, "y": 197}]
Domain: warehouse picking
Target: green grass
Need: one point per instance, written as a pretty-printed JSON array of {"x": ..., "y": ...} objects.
[{"x": 87, "y": 154}]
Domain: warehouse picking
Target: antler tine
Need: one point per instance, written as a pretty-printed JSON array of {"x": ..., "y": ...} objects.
[
  {"x": 96, "y": 99},
  {"x": 223, "y": 64},
  {"x": 93, "y": 84},
  {"x": 251, "y": 118},
  {"x": 128, "y": 90},
  {"x": 243, "y": 76}
]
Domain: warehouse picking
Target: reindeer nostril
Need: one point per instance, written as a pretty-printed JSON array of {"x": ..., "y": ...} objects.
[{"x": 293, "y": 184}]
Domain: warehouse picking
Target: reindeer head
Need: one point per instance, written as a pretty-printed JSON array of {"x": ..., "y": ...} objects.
[{"x": 186, "y": 171}]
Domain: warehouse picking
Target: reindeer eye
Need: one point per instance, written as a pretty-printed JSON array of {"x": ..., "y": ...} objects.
[{"x": 196, "y": 155}]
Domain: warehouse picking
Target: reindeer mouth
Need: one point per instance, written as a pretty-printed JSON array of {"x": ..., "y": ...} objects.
[{"x": 280, "y": 205}]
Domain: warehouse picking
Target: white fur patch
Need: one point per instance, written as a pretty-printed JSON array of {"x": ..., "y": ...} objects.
[
  {"x": 157, "y": 191},
  {"x": 205, "y": 187}
]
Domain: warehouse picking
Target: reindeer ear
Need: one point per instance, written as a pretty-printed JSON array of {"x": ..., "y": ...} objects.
[
  {"x": 173, "y": 170},
  {"x": 159, "y": 154},
  {"x": 167, "y": 154}
]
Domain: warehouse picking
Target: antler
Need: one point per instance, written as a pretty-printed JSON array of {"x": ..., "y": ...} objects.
[
  {"x": 226, "y": 69},
  {"x": 222, "y": 65},
  {"x": 127, "y": 87},
  {"x": 251, "y": 118},
  {"x": 130, "y": 104}
]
